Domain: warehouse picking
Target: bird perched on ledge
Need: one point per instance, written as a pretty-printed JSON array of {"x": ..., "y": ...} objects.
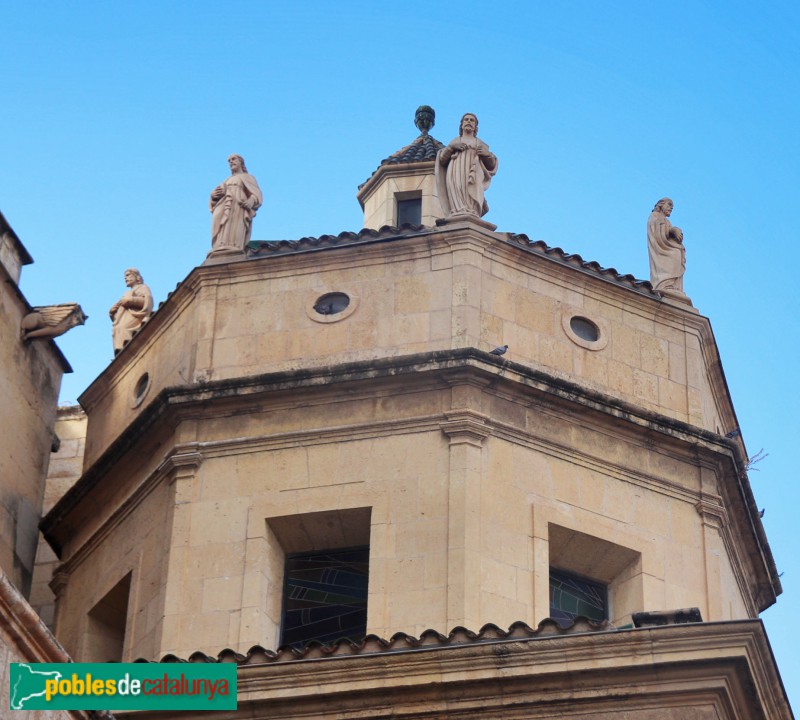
[{"x": 499, "y": 350}]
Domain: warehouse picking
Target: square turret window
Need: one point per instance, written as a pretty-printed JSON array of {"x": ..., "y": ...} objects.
[{"x": 409, "y": 211}]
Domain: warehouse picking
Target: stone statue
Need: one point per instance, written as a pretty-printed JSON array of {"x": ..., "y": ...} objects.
[
  {"x": 49, "y": 321},
  {"x": 132, "y": 310},
  {"x": 667, "y": 254},
  {"x": 233, "y": 206},
  {"x": 464, "y": 169}
]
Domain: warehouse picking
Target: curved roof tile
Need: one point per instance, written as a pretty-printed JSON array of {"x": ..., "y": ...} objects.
[
  {"x": 421, "y": 149},
  {"x": 261, "y": 248},
  {"x": 372, "y": 644},
  {"x": 556, "y": 253}
]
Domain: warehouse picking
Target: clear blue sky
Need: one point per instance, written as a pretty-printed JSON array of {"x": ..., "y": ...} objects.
[{"x": 118, "y": 117}]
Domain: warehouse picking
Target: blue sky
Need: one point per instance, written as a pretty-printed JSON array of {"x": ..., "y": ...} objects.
[{"x": 118, "y": 118}]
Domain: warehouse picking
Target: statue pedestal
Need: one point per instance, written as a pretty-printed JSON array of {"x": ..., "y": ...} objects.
[
  {"x": 676, "y": 297},
  {"x": 466, "y": 217},
  {"x": 224, "y": 255}
]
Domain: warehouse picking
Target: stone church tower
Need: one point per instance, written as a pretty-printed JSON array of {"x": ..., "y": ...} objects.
[{"x": 313, "y": 442}]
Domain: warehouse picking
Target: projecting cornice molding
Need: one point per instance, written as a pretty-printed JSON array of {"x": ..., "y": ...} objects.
[
  {"x": 464, "y": 367},
  {"x": 521, "y": 672},
  {"x": 182, "y": 462},
  {"x": 466, "y": 427}
]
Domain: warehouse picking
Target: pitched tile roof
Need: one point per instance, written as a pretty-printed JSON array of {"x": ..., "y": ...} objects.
[{"x": 422, "y": 149}]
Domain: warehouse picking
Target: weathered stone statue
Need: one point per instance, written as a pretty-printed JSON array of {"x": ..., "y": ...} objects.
[
  {"x": 464, "y": 169},
  {"x": 233, "y": 206},
  {"x": 132, "y": 310},
  {"x": 667, "y": 254},
  {"x": 49, "y": 321}
]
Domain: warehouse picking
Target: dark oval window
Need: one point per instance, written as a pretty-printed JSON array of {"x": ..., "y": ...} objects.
[
  {"x": 585, "y": 329},
  {"x": 332, "y": 303},
  {"x": 141, "y": 387}
]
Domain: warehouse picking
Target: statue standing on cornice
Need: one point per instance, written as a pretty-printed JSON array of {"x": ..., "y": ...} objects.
[
  {"x": 234, "y": 204},
  {"x": 464, "y": 169},
  {"x": 667, "y": 252},
  {"x": 132, "y": 310}
]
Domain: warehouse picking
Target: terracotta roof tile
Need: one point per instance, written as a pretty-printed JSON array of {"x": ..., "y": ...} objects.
[
  {"x": 556, "y": 253},
  {"x": 261, "y": 248},
  {"x": 374, "y": 645},
  {"x": 422, "y": 149}
]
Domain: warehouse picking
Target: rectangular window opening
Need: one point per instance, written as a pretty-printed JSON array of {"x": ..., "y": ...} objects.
[
  {"x": 325, "y": 596},
  {"x": 592, "y": 577},
  {"x": 107, "y": 620},
  {"x": 409, "y": 211}
]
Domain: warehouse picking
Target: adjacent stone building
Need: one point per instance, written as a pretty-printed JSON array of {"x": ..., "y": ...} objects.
[
  {"x": 29, "y": 388},
  {"x": 310, "y": 447},
  {"x": 30, "y": 378}
]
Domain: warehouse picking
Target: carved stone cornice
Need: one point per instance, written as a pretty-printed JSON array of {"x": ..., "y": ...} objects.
[
  {"x": 59, "y": 581},
  {"x": 181, "y": 463},
  {"x": 468, "y": 371},
  {"x": 712, "y": 512},
  {"x": 726, "y": 666},
  {"x": 465, "y": 427}
]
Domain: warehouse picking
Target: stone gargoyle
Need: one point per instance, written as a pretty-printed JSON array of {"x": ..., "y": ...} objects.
[{"x": 49, "y": 321}]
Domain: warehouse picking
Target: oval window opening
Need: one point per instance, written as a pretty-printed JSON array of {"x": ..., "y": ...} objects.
[
  {"x": 585, "y": 329},
  {"x": 141, "y": 388},
  {"x": 332, "y": 303}
]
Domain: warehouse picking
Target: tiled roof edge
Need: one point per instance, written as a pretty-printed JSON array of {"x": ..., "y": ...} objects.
[
  {"x": 422, "y": 149},
  {"x": 556, "y": 253},
  {"x": 374, "y": 645},
  {"x": 263, "y": 248}
]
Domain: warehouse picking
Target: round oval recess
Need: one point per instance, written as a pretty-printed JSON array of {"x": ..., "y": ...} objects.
[
  {"x": 140, "y": 389},
  {"x": 584, "y": 328},
  {"x": 331, "y": 305},
  {"x": 588, "y": 333}
]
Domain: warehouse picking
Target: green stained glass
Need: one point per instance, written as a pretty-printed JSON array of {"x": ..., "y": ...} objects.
[{"x": 571, "y": 596}]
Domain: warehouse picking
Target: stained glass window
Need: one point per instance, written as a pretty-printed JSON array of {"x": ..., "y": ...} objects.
[
  {"x": 325, "y": 596},
  {"x": 571, "y": 596}
]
